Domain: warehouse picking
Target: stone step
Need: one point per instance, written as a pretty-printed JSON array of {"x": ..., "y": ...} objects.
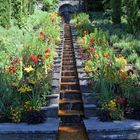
[
  {"x": 52, "y": 99},
  {"x": 71, "y": 62},
  {"x": 89, "y": 98},
  {"x": 69, "y": 79},
  {"x": 68, "y": 73},
  {"x": 71, "y": 120},
  {"x": 65, "y": 113},
  {"x": 69, "y": 59},
  {"x": 51, "y": 111},
  {"x": 70, "y": 105},
  {"x": 70, "y": 95},
  {"x": 90, "y": 110},
  {"x": 70, "y": 86},
  {"x": 68, "y": 55},
  {"x": 68, "y": 68}
]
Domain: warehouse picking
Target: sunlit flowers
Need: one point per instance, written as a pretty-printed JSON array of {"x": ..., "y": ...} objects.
[
  {"x": 25, "y": 89},
  {"x": 29, "y": 69},
  {"x": 106, "y": 54},
  {"x": 47, "y": 53},
  {"x": 121, "y": 60}
]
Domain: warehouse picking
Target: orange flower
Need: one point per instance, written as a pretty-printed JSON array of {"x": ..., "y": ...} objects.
[
  {"x": 47, "y": 55},
  {"x": 106, "y": 54},
  {"x": 47, "y": 50},
  {"x": 12, "y": 69},
  {"x": 122, "y": 71}
]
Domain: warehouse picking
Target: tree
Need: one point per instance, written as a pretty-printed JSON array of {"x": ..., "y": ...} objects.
[{"x": 116, "y": 11}]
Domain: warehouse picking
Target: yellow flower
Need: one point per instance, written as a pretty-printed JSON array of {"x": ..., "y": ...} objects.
[
  {"x": 25, "y": 89},
  {"x": 112, "y": 105},
  {"x": 122, "y": 71},
  {"x": 32, "y": 82},
  {"x": 88, "y": 68},
  {"x": 96, "y": 55},
  {"x": 121, "y": 60},
  {"x": 58, "y": 39},
  {"x": 29, "y": 69}
]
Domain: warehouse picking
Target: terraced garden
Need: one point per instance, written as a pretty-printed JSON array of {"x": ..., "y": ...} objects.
[{"x": 67, "y": 73}]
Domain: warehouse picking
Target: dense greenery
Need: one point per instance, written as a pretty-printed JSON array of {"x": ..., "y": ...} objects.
[
  {"x": 15, "y": 9},
  {"x": 132, "y": 11},
  {"x": 49, "y": 5},
  {"x": 129, "y": 9},
  {"x": 116, "y": 11}
]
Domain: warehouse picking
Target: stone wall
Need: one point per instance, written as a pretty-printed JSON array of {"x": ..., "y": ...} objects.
[{"x": 27, "y": 136}]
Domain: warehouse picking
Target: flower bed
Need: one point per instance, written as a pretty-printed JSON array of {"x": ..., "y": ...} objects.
[
  {"x": 115, "y": 81},
  {"x": 26, "y": 57}
]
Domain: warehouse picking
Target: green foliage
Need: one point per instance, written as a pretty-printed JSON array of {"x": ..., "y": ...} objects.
[
  {"x": 116, "y": 11},
  {"x": 5, "y": 94},
  {"x": 5, "y": 13},
  {"x": 82, "y": 22},
  {"x": 15, "y": 9},
  {"x": 132, "y": 12},
  {"x": 49, "y": 5}
]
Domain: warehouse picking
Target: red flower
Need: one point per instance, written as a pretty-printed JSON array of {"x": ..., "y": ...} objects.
[
  {"x": 12, "y": 69},
  {"x": 92, "y": 50},
  {"x": 92, "y": 40},
  {"x": 120, "y": 101},
  {"x": 47, "y": 50},
  {"x": 124, "y": 77},
  {"x": 33, "y": 58},
  {"x": 42, "y": 36},
  {"x": 16, "y": 60}
]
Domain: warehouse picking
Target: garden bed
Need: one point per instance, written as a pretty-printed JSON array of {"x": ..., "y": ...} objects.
[{"x": 115, "y": 81}]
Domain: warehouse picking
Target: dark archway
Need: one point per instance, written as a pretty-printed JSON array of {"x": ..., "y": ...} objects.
[{"x": 65, "y": 11}]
